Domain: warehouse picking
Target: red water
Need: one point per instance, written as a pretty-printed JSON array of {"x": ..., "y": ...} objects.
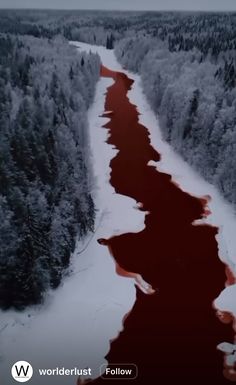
[{"x": 172, "y": 335}]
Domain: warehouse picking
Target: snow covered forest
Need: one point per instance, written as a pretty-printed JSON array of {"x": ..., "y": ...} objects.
[
  {"x": 46, "y": 87},
  {"x": 188, "y": 70}
]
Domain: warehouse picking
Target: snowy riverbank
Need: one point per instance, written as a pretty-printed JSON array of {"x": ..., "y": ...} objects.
[
  {"x": 221, "y": 214},
  {"x": 75, "y": 325}
]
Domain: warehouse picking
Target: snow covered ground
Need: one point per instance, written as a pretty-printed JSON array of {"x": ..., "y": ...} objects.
[{"x": 75, "y": 325}]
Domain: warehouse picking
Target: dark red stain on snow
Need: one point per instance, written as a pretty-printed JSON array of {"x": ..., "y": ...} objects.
[
  {"x": 231, "y": 279},
  {"x": 172, "y": 335}
]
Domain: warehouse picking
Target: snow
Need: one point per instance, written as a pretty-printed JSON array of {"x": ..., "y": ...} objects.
[
  {"x": 107, "y": 55},
  {"x": 224, "y": 302},
  {"x": 77, "y": 322}
]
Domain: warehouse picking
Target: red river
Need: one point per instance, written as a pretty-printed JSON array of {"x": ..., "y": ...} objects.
[{"x": 171, "y": 335}]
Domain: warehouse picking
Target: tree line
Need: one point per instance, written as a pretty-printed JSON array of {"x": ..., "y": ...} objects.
[
  {"x": 188, "y": 74},
  {"x": 46, "y": 87}
]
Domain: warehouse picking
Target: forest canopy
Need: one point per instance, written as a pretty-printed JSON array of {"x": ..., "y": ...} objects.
[
  {"x": 188, "y": 71},
  {"x": 46, "y": 87}
]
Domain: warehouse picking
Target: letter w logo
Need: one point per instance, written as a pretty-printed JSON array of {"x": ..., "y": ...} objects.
[{"x": 22, "y": 369}]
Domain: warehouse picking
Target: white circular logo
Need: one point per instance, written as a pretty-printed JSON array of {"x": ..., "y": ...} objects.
[{"x": 22, "y": 371}]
